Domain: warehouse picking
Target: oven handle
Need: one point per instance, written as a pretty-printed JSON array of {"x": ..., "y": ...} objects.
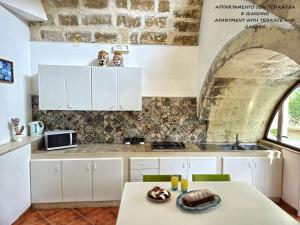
[{"x": 71, "y": 138}]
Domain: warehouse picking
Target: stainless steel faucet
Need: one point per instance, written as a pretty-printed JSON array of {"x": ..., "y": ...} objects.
[{"x": 237, "y": 142}]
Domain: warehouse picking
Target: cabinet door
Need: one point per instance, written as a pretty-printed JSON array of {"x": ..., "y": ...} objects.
[
  {"x": 51, "y": 87},
  {"x": 78, "y": 87},
  {"x": 267, "y": 176},
  {"x": 201, "y": 165},
  {"x": 173, "y": 165},
  {"x": 104, "y": 88},
  {"x": 239, "y": 168},
  {"x": 14, "y": 184},
  {"x": 107, "y": 179},
  {"x": 130, "y": 89},
  {"x": 77, "y": 180},
  {"x": 46, "y": 181}
]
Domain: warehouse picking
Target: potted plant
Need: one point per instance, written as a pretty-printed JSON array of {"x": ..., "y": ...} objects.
[{"x": 18, "y": 136}]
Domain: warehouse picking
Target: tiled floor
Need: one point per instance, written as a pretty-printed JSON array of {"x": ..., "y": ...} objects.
[{"x": 82, "y": 216}]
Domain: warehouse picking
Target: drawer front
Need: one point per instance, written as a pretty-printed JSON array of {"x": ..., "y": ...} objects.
[
  {"x": 137, "y": 175},
  {"x": 144, "y": 163}
]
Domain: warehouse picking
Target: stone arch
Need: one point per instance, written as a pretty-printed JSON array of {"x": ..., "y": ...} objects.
[{"x": 273, "y": 41}]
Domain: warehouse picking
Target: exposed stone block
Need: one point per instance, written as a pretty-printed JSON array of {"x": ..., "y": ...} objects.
[
  {"x": 134, "y": 38},
  {"x": 96, "y": 19},
  {"x": 121, "y": 3},
  {"x": 48, "y": 35},
  {"x": 187, "y": 13},
  {"x": 186, "y": 40},
  {"x": 96, "y": 4},
  {"x": 146, "y": 5},
  {"x": 66, "y": 3},
  {"x": 78, "y": 36},
  {"x": 128, "y": 21},
  {"x": 106, "y": 37},
  {"x": 156, "y": 22},
  {"x": 163, "y": 6},
  {"x": 68, "y": 20},
  {"x": 186, "y": 26},
  {"x": 195, "y": 2},
  {"x": 153, "y": 38}
]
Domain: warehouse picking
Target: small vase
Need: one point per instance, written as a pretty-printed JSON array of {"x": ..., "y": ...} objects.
[{"x": 18, "y": 138}]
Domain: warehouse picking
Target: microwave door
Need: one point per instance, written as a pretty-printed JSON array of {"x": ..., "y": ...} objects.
[{"x": 59, "y": 140}]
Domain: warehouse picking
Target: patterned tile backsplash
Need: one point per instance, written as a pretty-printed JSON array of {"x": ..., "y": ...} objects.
[{"x": 161, "y": 119}]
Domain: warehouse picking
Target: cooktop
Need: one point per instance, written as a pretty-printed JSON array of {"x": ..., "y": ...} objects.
[{"x": 168, "y": 145}]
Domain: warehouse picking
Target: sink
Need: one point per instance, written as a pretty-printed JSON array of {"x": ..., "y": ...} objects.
[
  {"x": 254, "y": 147},
  {"x": 232, "y": 147}
]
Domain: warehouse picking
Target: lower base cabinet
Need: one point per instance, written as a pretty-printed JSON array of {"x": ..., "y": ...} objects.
[
  {"x": 262, "y": 172},
  {"x": 46, "y": 181},
  {"x": 14, "y": 184},
  {"x": 76, "y": 180}
]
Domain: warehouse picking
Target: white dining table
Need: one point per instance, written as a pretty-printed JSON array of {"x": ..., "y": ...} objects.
[{"x": 241, "y": 204}]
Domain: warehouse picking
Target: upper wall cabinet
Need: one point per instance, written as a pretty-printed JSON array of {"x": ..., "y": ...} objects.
[
  {"x": 90, "y": 88},
  {"x": 65, "y": 87},
  {"x": 117, "y": 88}
]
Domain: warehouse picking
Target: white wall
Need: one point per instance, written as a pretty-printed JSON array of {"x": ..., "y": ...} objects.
[
  {"x": 14, "y": 46},
  {"x": 168, "y": 70}
]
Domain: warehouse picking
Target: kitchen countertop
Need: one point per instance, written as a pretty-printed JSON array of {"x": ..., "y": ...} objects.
[
  {"x": 11, "y": 146},
  {"x": 121, "y": 150}
]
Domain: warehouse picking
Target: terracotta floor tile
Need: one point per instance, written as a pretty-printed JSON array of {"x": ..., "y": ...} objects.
[
  {"x": 50, "y": 212},
  {"x": 66, "y": 217},
  {"x": 100, "y": 216},
  {"x": 83, "y": 221},
  {"x": 32, "y": 217}
]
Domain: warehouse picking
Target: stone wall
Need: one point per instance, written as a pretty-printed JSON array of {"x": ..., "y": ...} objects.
[
  {"x": 171, "y": 119},
  {"x": 160, "y": 22}
]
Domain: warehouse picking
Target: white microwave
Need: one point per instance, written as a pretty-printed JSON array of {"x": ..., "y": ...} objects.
[{"x": 60, "y": 139}]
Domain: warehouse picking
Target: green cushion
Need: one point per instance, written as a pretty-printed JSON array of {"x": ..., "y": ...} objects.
[
  {"x": 211, "y": 177},
  {"x": 154, "y": 178}
]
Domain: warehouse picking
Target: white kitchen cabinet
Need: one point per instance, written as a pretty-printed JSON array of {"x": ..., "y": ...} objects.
[
  {"x": 77, "y": 180},
  {"x": 51, "y": 87},
  {"x": 239, "y": 168},
  {"x": 104, "y": 88},
  {"x": 116, "y": 88},
  {"x": 14, "y": 184},
  {"x": 64, "y": 87},
  {"x": 262, "y": 172},
  {"x": 46, "y": 181},
  {"x": 188, "y": 166},
  {"x": 107, "y": 179},
  {"x": 143, "y": 166},
  {"x": 173, "y": 165},
  {"x": 130, "y": 88},
  {"x": 201, "y": 165},
  {"x": 78, "y": 87}
]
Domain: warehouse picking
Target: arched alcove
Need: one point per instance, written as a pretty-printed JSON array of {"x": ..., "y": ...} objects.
[{"x": 246, "y": 80}]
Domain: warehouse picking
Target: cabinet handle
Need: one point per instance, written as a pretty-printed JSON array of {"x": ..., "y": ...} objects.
[
  {"x": 121, "y": 107},
  {"x": 70, "y": 106},
  {"x": 249, "y": 164},
  {"x": 142, "y": 164},
  {"x": 88, "y": 167},
  {"x": 255, "y": 164},
  {"x": 190, "y": 165},
  {"x": 95, "y": 167},
  {"x": 57, "y": 168},
  {"x": 183, "y": 165}
]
